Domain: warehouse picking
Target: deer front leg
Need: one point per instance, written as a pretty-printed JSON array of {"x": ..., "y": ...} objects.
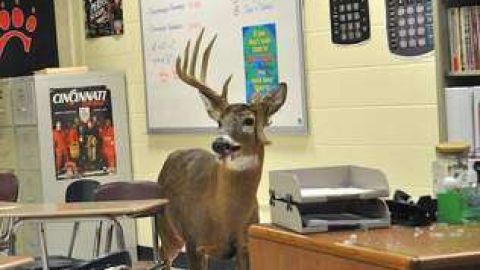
[
  {"x": 197, "y": 260},
  {"x": 243, "y": 258}
]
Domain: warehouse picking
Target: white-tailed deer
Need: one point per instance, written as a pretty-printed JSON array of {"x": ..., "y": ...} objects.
[{"x": 213, "y": 197}]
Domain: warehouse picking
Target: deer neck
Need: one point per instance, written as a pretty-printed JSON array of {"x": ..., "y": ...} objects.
[{"x": 238, "y": 179}]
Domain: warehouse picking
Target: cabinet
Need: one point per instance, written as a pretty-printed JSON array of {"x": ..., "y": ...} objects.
[
  {"x": 27, "y": 122},
  {"x": 18, "y": 134},
  {"x": 19, "y": 144}
]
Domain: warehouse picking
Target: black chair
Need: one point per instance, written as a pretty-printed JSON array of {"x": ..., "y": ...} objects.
[
  {"x": 79, "y": 191},
  {"x": 8, "y": 193}
]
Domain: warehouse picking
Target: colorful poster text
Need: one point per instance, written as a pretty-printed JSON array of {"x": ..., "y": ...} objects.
[{"x": 261, "y": 62}]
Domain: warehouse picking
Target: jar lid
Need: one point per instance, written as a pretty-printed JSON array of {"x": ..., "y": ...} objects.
[{"x": 453, "y": 148}]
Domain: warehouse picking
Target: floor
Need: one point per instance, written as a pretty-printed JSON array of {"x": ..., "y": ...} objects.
[
  {"x": 180, "y": 263},
  {"x": 146, "y": 266}
]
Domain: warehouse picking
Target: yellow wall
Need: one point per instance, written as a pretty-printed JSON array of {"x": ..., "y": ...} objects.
[{"x": 366, "y": 106}]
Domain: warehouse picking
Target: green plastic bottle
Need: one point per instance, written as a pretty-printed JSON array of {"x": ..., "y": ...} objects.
[
  {"x": 451, "y": 182},
  {"x": 451, "y": 207}
]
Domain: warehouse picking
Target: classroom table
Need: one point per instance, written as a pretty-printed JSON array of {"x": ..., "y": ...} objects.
[
  {"x": 112, "y": 210},
  {"x": 11, "y": 262},
  {"x": 400, "y": 248}
]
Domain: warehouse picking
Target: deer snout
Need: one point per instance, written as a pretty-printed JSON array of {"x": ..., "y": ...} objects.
[{"x": 224, "y": 146}]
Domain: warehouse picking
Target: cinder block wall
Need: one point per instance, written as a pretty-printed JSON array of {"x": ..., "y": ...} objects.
[{"x": 366, "y": 106}]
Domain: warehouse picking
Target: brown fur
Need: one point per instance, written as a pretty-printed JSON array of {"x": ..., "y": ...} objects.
[{"x": 210, "y": 207}]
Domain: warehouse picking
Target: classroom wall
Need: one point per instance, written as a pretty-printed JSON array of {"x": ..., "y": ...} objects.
[
  {"x": 70, "y": 43},
  {"x": 366, "y": 107}
]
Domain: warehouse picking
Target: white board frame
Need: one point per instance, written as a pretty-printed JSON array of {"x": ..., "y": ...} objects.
[{"x": 281, "y": 130}]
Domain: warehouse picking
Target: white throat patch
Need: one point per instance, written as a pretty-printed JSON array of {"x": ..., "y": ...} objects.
[{"x": 242, "y": 163}]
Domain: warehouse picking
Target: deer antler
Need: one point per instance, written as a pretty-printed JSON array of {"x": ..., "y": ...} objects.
[{"x": 187, "y": 73}]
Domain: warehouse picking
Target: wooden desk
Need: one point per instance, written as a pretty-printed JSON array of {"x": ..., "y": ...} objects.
[
  {"x": 12, "y": 262},
  {"x": 112, "y": 210},
  {"x": 445, "y": 248}
]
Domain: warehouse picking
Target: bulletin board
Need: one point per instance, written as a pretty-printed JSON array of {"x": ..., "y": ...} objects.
[{"x": 260, "y": 42}]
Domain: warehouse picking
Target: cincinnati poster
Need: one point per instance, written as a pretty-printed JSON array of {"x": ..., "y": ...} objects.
[
  {"x": 103, "y": 18},
  {"x": 83, "y": 132}
]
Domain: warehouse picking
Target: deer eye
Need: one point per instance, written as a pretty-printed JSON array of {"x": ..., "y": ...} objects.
[{"x": 248, "y": 121}]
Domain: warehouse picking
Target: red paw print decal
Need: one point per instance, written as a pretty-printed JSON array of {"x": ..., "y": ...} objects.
[{"x": 16, "y": 24}]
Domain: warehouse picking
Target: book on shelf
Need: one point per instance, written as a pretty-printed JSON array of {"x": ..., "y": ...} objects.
[
  {"x": 462, "y": 108},
  {"x": 464, "y": 38},
  {"x": 460, "y": 114}
]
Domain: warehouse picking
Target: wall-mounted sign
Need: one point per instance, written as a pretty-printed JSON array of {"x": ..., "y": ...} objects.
[
  {"x": 103, "y": 18},
  {"x": 261, "y": 61},
  {"x": 27, "y": 37}
]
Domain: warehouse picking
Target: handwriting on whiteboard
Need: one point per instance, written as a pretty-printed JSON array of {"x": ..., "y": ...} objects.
[
  {"x": 177, "y": 7},
  {"x": 163, "y": 55},
  {"x": 164, "y": 48},
  {"x": 246, "y": 7}
]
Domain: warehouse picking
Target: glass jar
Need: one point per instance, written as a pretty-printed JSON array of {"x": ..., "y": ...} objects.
[{"x": 452, "y": 184}]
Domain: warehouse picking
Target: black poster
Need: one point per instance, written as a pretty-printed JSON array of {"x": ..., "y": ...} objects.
[
  {"x": 103, "y": 18},
  {"x": 27, "y": 37},
  {"x": 83, "y": 132}
]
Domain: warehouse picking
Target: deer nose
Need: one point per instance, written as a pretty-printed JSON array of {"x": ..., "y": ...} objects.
[{"x": 223, "y": 146}]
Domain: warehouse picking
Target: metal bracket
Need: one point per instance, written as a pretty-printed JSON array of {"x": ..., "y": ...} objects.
[
  {"x": 272, "y": 197},
  {"x": 289, "y": 201}
]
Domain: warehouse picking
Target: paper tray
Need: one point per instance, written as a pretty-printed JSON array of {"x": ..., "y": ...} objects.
[
  {"x": 322, "y": 217},
  {"x": 323, "y": 199},
  {"x": 330, "y": 183}
]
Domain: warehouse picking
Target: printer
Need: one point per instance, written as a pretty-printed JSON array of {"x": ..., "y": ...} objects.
[{"x": 323, "y": 199}]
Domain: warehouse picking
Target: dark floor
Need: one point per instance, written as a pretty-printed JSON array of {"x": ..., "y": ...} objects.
[
  {"x": 181, "y": 263},
  {"x": 145, "y": 254}
]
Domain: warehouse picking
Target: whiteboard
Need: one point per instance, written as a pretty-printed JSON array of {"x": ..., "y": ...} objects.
[{"x": 247, "y": 30}]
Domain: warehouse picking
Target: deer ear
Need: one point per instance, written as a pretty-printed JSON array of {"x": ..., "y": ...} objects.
[
  {"x": 275, "y": 99},
  {"x": 213, "y": 110}
]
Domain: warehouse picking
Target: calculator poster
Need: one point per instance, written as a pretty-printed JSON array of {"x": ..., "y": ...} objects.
[
  {"x": 82, "y": 132},
  {"x": 103, "y": 18},
  {"x": 261, "y": 61}
]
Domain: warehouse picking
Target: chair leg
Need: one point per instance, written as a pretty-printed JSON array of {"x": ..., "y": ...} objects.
[
  {"x": 98, "y": 239},
  {"x": 4, "y": 234},
  {"x": 156, "y": 249},
  {"x": 3, "y": 229},
  {"x": 109, "y": 240},
  {"x": 43, "y": 246},
  {"x": 120, "y": 236},
  {"x": 12, "y": 236},
  {"x": 11, "y": 245},
  {"x": 74, "y": 237}
]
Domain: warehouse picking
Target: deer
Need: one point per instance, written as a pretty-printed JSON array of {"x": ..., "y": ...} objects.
[{"x": 212, "y": 196}]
